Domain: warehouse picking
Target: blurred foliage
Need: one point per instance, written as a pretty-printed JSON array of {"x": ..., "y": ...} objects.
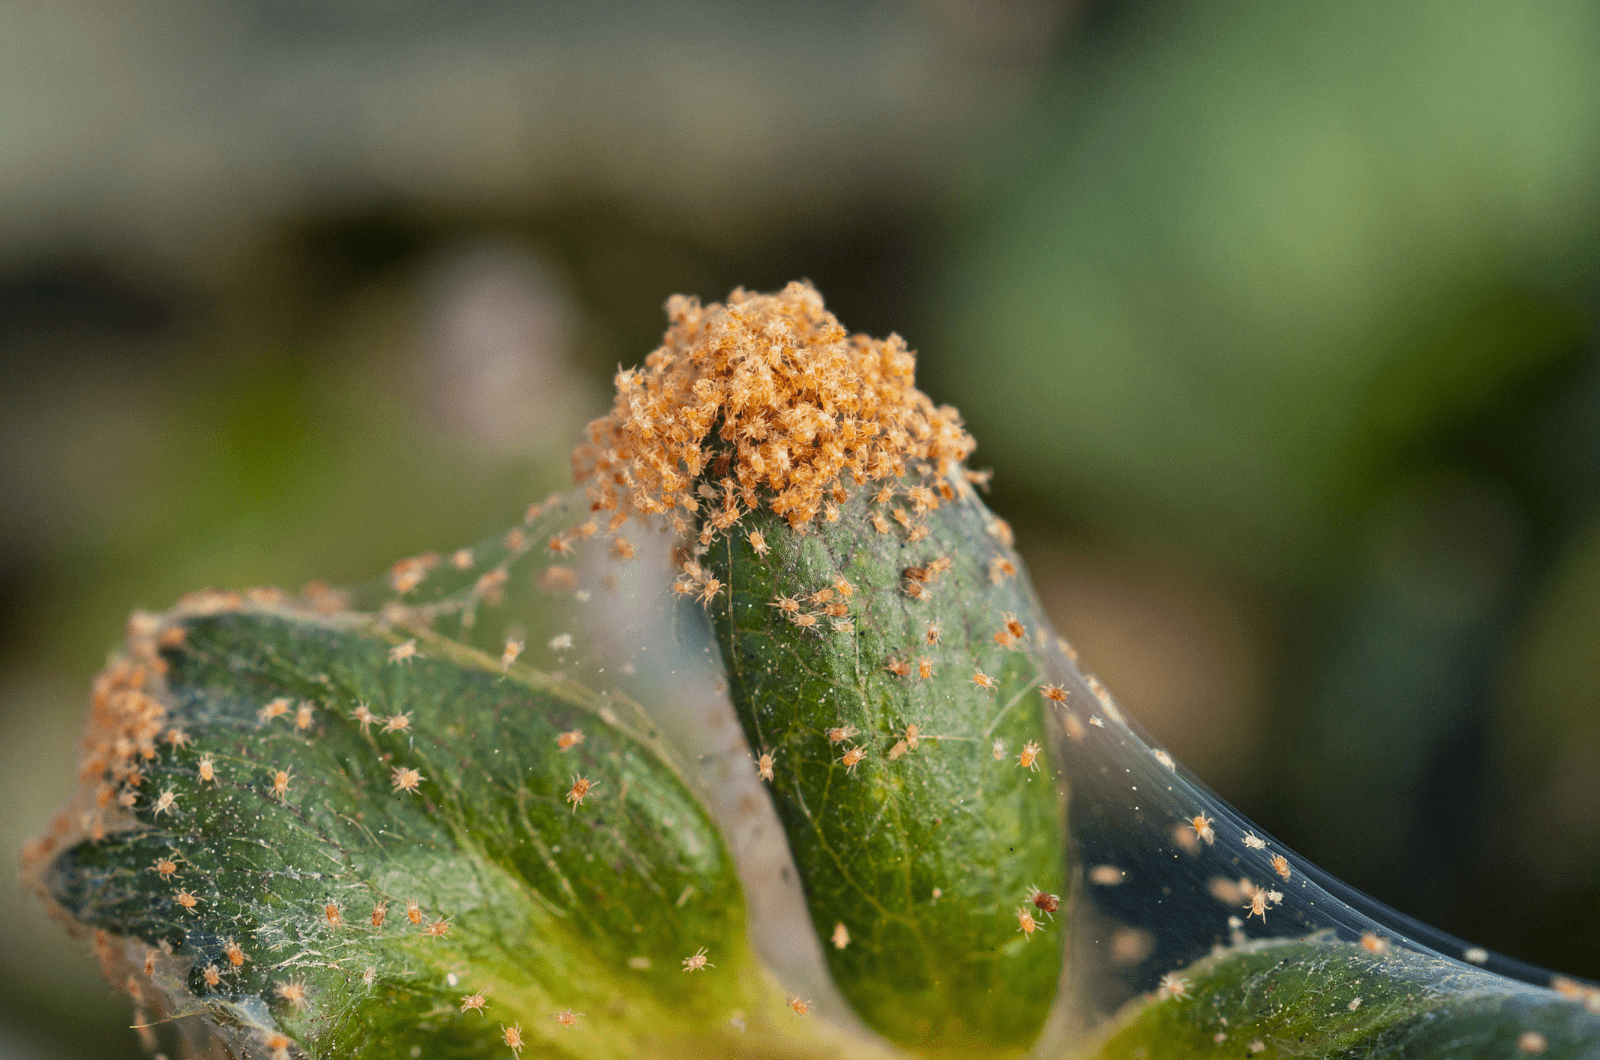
[{"x": 1277, "y": 324}]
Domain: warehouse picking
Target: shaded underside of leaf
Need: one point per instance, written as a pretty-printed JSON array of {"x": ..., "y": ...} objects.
[
  {"x": 490, "y": 878},
  {"x": 927, "y": 848}
]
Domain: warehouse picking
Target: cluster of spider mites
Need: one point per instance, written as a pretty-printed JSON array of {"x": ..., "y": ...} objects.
[{"x": 771, "y": 396}]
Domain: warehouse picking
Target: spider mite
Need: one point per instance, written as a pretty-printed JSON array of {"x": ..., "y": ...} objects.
[
  {"x": 280, "y": 782},
  {"x": 413, "y": 912},
  {"x": 397, "y": 723},
  {"x": 983, "y": 680},
  {"x": 764, "y": 766},
  {"x": 513, "y": 1037},
  {"x": 898, "y": 667},
  {"x": 1280, "y": 865},
  {"x": 580, "y": 789},
  {"x": 1045, "y": 903},
  {"x": 1015, "y": 628},
  {"x": 234, "y": 952},
  {"x": 474, "y": 1001},
  {"x": 405, "y": 779},
  {"x": 842, "y": 733},
  {"x": 1028, "y": 759},
  {"x": 568, "y": 740},
  {"x": 1026, "y": 924},
  {"x": 276, "y": 709},
  {"x": 167, "y": 801},
  {"x": 697, "y": 961},
  {"x": 934, "y": 632},
  {"x": 294, "y": 992},
  {"x": 509, "y": 655},
  {"x": 333, "y": 914},
  {"x": 758, "y": 541},
  {"x": 1202, "y": 828},
  {"x": 924, "y": 667},
  {"x": 380, "y": 913},
  {"x": 853, "y": 757},
  {"x": 798, "y": 1006},
  {"x": 1173, "y": 986},
  {"x": 1257, "y": 904},
  {"x": 567, "y": 1017},
  {"x": 1054, "y": 693},
  {"x": 403, "y": 652},
  {"x": 208, "y": 770}
]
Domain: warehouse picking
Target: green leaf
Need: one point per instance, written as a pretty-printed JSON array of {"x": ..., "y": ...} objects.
[
  {"x": 1320, "y": 997},
  {"x": 924, "y": 855},
  {"x": 544, "y": 904}
]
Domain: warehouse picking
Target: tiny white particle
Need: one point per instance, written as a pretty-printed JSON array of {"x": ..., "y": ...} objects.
[
  {"x": 452, "y": 979},
  {"x": 561, "y": 642}
]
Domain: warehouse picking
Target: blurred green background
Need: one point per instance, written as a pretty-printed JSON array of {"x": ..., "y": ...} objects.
[{"x": 1277, "y": 322}]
